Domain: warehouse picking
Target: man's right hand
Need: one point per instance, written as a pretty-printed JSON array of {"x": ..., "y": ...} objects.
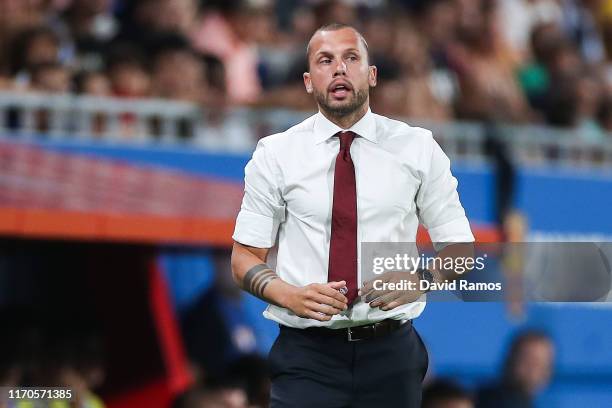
[{"x": 319, "y": 301}]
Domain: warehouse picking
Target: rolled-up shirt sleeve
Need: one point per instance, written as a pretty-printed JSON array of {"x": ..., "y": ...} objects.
[
  {"x": 263, "y": 208},
  {"x": 438, "y": 204}
]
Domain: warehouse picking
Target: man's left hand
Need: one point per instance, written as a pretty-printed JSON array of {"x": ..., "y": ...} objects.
[{"x": 378, "y": 294}]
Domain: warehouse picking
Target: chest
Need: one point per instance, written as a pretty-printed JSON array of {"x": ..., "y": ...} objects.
[{"x": 386, "y": 184}]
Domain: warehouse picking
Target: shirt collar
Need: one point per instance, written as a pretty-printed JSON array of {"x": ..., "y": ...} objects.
[{"x": 365, "y": 127}]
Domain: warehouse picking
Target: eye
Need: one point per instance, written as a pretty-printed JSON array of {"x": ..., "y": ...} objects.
[
  {"x": 325, "y": 61},
  {"x": 353, "y": 58}
]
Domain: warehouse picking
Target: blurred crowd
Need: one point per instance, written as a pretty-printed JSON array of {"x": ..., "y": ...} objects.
[
  {"x": 51, "y": 354},
  {"x": 525, "y": 61}
]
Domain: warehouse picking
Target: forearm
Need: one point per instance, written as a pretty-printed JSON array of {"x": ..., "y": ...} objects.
[
  {"x": 253, "y": 275},
  {"x": 318, "y": 301},
  {"x": 454, "y": 252}
]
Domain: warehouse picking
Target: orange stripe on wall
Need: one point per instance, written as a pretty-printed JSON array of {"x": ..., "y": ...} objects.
[{"x": 61, "y": 224}]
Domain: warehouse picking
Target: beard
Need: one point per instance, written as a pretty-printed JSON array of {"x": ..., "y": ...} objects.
[{"x": 341, "y": 108}]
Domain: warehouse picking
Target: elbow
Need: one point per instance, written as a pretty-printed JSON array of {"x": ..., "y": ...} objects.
[
  {"x": 244, "y": 258},
  {"x": 235, "y": 266}
]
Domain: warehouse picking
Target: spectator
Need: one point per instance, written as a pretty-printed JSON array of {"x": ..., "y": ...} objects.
[
  {"x": 163, "y": 16},
  {"x": 439, "y": 22},
  {"x": 179, "y": 73},
  {"x": 86, "y": 28},
  {"x": 446, "y": 394},
  {"x": 338, "y": 11},
  {"x": 273, "y": 48},
  {"x": 437, "y": 59},
  {"x": 144, "y": 20},
  {"x": 486, "y": 67},
  {"x": 50, "y": 77},
  {"x": 527, "y": 370},
  {"x": 127, "y": 73},
  {"x": 535, "y": 75},
  {"x": 91, "y": 20},
  {"x": 526, "y": 15},
  {"x": 413, "y": 94},
  {"x": 37, "y": 45},
  {"x": 579, "y": 25},
  {"x": 15, "y": 17},
  {"x": 588, "y": 100},
  {"x": 379, "y": 29},
  {"x": 225, "y": 33},
  {"x": 93, "y": 83}
]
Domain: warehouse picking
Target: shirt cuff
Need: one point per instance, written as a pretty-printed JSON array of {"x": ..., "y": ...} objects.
[
  {"x": 255, "y": 230},
  {"x": 457, "y": 230}
]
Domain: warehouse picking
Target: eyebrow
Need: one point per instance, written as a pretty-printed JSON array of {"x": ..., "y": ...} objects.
[
  {"x": 328, "y": 53},
  {"x": 323, "y": 54}
]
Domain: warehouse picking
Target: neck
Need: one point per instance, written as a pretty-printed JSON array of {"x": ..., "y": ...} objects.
[{"x": 345, "y": 121}]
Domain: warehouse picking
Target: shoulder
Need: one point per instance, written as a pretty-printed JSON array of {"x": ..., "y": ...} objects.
[
  {"x": 389, "y": 129},
  {"x": 280, "y": 141},
  {"x": 411, "y": 143}
]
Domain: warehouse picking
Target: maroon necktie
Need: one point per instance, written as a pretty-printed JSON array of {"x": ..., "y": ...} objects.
[{"x": 343, "y": 243}]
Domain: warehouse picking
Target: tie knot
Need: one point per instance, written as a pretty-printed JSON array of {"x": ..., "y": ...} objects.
[{"x": 346, "y": 138}]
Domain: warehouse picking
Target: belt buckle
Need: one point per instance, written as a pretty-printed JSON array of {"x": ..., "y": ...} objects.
[{"x": 349, "y": 334}]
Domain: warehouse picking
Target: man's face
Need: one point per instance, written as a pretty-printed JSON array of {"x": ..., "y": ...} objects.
[
  {"x": 339, "y": 77},
  {"x": 177, "y": 74},
  {"x": 534, "y": 365}
]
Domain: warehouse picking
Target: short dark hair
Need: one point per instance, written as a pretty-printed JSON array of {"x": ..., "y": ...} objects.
[
  {"x": 336, "y": 27},
  {"x": 444, "y": 390},
  {"x": 21, "y": 43}
]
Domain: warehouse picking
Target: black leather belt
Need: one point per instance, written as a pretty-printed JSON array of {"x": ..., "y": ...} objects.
[{"x": 368, "y": 331}]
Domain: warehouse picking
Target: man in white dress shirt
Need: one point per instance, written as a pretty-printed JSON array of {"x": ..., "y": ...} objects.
[{"x": 340, "y": 178}]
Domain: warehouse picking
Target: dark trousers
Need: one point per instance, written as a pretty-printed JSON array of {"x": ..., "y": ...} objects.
[{"x": 315, "y": 370}]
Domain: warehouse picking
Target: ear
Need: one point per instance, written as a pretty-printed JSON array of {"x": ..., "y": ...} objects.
[
  {"x": 372, "y": 75},
  {"x": 308, "y": 82}
]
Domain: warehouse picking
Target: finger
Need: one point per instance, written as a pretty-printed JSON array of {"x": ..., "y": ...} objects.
[
  {"x": 368, "y": 286},
  {"x": 386, "y": 298},
  {"x": 402, "y": 300},
  {"x": 336, "y": 285},
  {"x": 391, "y": 305},
  {"x": 376, "y": 294},
  {"x": 318, "y": 307},
  {"x": 327, "y": 290},
  {"x": 322, "y": 317},
  {"x": 328, "y": 300}
]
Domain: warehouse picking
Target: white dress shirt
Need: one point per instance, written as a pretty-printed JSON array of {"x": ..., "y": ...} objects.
[{"x": 402, "y": 177}]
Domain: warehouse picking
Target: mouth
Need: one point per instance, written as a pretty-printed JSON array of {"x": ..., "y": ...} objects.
[{"x": 340, "y": 90}]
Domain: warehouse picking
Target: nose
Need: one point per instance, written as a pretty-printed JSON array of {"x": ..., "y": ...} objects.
[{"x": 340, "y": 68}]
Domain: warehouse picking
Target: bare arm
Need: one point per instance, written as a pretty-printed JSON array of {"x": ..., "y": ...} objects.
[
  {"x": 316, "y": 301},
  {"x": 453, "y": 251}
]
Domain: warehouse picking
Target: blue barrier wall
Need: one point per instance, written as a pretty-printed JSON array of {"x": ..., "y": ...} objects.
[{"x": 554, "y": 199}]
